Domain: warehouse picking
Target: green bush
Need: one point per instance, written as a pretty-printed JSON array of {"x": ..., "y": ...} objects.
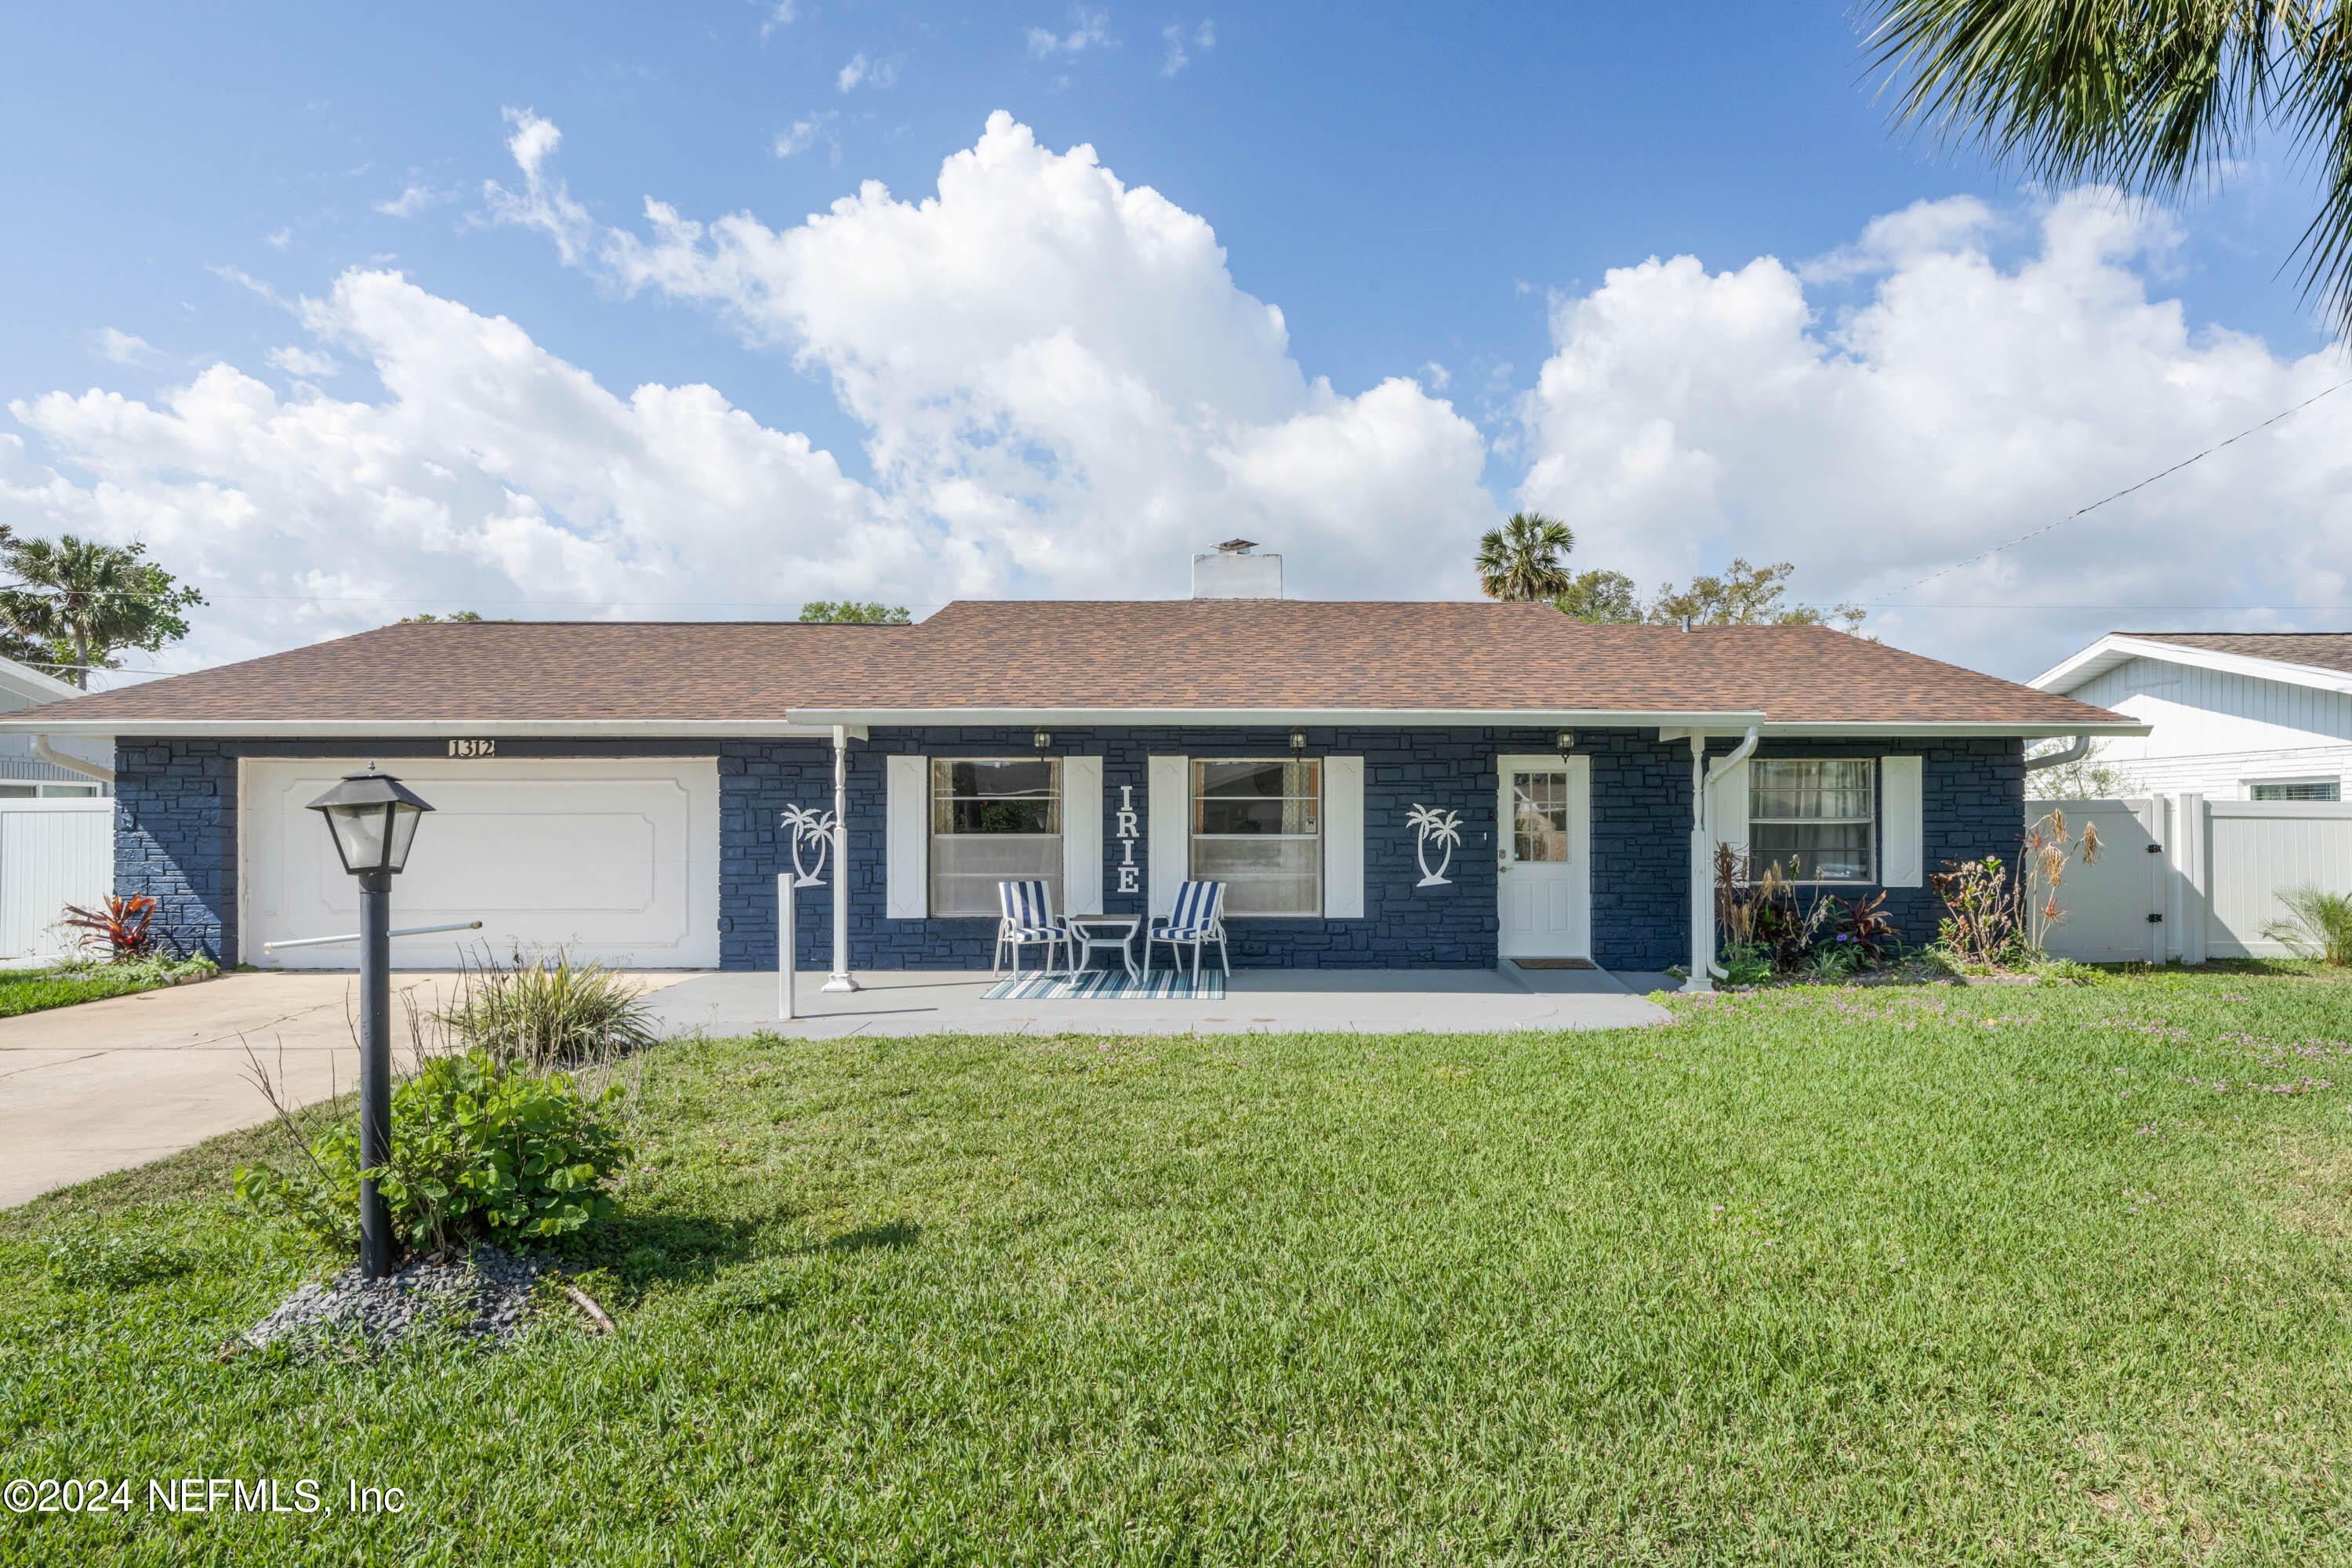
[
  {"x": 548, "y": 1010},
  {"x": 1745, "y": 964},
  {"x": 2321, "y": 926},
  {"x": 479, "y": 1148}
]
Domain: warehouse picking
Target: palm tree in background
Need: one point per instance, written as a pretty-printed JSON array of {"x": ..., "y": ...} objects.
[
  {"x": 88, "y": 601},
  {"x": 1521, "y": 560},
  {"x": 2149, "y": 96}
]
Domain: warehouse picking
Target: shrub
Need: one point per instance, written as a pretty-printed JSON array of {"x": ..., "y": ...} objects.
[
  {"x": 2320, "y": 924},
  {"x": 548, "y": 1011},
  {"x": 1745, "y": 964},
  {"x": 119, "y": 930},
  {"x": 479, "y": 1148}
]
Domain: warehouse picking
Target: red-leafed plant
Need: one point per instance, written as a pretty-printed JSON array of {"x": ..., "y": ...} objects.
[{"x": 120, "y": 928}]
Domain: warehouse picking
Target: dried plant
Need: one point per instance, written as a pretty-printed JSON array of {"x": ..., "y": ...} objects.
[{"x": 1996, "y": 914}]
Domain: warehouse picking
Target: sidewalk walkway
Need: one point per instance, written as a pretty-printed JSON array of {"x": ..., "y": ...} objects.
[{"x": 1381, "y": 1001}]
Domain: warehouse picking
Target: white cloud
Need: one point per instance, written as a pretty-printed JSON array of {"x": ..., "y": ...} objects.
[
  {"x": 414, "y": 199},
  {"x": 542, "y": 204},
  {"x": 1062, "y": 392},
  {"x": 280, "y": 240},
  {"x": 1059, "y": 367},
  {"x": 1685, "y": 416},
  {"x": 1202, "y": 38},
  {"x": 863, "y": 72},
  {"x": 806, "y": 133},
  {"x": 305, "y": 363},
  {"x": 113, "y": 344},
  {"x": 489, "y": 472},
  {"x": 1088, "y": 30},
  {"x": 780, "y": 15}
]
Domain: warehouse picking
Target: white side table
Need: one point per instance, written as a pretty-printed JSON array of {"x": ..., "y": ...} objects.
[{"x": 1088, "y": 932}]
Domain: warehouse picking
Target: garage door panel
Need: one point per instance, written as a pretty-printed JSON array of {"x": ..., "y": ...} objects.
[{"x": 612, "y": 860}]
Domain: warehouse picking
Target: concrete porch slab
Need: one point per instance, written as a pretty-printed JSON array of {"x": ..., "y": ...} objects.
[{"x": 1258, "y": 1001}]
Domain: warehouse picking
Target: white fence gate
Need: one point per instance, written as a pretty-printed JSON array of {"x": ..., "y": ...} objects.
[
  {"x": 2182, "y": 877},
  {"x": 52, "y": 853}
]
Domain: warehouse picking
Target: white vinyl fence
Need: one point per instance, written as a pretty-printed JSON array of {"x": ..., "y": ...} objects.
[
  {"x": 52, "y": 853},
  {"x": 2182, "y": 877}
]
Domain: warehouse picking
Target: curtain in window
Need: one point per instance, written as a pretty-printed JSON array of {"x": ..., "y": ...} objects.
[
  {"x": 993, "y": 821},
  {"x": 1257, "y": 828},
  {"x": 1811, "y": 817}
]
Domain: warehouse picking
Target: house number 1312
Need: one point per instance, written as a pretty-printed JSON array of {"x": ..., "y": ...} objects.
[{"x": 473, "y": 748}]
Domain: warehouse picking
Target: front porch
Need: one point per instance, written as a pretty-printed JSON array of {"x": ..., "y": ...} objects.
[{"x": 1256, "y": 1001}]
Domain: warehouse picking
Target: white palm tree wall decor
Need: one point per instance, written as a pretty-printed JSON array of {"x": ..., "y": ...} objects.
[
  {"x": 1443, "y": 828},
  {"x": 809, "y": 828}
]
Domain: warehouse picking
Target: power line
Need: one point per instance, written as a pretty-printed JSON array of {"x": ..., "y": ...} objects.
[{"x": 2036, "y": 533}]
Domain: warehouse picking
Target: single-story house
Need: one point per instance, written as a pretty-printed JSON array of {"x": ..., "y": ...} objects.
[
  {"x": 1406, "y": 785},
  {"x": 32, "y": 770},
  {"x": 2230, "y": 715}
]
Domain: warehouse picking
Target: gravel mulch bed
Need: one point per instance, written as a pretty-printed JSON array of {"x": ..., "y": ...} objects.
[{"x": 482, "y": 1296}]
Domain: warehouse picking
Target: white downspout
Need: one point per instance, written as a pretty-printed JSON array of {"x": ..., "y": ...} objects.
[
  {"x": 57, "y": 759},
  {"x": 1704, "y": 969},
  {"x": 839, "y": 979},
  {"x": 2074, "y": 753}
]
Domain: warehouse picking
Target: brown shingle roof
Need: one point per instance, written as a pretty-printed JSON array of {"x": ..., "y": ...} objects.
[
  {"x": 2321, "y": 650},
  {"x": 1280, "y": 655}
]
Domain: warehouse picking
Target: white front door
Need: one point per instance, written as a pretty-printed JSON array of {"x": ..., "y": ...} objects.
[{"x": 1542, "y": 880}]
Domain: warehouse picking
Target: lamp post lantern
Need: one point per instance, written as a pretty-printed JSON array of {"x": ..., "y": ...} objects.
[{"x": 372, "y": 817}]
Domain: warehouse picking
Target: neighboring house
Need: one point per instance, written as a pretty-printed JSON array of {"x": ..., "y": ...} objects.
[
  {"x": 2231, "y": 715},
  {"x": 23, "y": 775},
  {"x": 619, "y": 787}
]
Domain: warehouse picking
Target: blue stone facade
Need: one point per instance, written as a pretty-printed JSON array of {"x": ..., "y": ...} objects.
[{"x": 176, "y": 835}]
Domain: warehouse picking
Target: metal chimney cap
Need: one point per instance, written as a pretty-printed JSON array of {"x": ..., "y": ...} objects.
[{"x": 1237, "y": 546}]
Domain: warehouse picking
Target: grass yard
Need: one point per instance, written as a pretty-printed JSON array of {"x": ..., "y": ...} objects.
[
  {"x": 1929, "y": 1275},
  {"x": 37, "y": 990}
]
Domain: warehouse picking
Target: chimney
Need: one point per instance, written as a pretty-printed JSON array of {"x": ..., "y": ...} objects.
[{"x": 1230, "y": 571}]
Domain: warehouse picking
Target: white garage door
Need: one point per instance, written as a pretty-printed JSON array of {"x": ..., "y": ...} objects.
[{"x": 613, "y": 860}]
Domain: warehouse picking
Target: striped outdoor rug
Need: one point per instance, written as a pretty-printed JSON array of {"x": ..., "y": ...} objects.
[{"x": 1110, "y": 986}]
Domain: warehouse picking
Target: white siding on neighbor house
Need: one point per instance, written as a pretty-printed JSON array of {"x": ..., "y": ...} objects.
[{"x": 2216, "y": 730}]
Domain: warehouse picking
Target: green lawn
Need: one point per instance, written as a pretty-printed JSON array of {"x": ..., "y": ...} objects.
[
  {"x": 34, "y": 990},
  {"x": 1929, "y": 1276}
]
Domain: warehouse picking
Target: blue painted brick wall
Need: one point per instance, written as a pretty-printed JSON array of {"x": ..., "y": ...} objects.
[{"x": 176, "y": 839}]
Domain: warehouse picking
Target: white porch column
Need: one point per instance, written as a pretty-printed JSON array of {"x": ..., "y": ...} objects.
[
  {"x": 839, "y": 979},
  {"x": 1702, "y": 876}
]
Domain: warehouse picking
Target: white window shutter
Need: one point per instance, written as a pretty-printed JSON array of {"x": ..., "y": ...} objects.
[
  {"x": 1343, "y": 838},
  {"x": 1082, "y": 827},
  {"x": 1726, "y": 808},
  {"x": 907, "y": 842},
  {"x": 1902, "y": 809},
  {"x": 1168, "y": 799}
]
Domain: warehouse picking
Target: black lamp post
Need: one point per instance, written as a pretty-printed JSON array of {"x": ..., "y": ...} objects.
[{"x": 373, "y": 818}]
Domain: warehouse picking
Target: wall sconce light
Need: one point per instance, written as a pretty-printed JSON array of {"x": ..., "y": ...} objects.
[
  {"x": 1567, "y": 743},
  {"x": 1298, "y": 743},
  {"x": 1042, "y": 740}
]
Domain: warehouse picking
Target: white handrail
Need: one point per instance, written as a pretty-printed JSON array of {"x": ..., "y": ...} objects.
[{"x": 328, "y": 940}]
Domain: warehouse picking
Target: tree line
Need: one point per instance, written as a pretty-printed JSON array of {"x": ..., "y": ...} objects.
[{"x": 1524, "y": 561}]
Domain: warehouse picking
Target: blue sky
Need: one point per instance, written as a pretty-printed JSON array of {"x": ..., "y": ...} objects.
[{"x": 1433, "y": 201}]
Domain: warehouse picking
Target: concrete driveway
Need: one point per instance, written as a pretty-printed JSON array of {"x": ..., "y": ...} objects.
[{"x": 104, "y": 1085}]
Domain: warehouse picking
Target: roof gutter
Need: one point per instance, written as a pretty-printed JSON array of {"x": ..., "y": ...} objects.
[
  {"x": 46, "y": 752},
  {"x": 428, "y": 729},
  {"x": 1236, "y": 716},
  {"x": 2074, "y": 753}
]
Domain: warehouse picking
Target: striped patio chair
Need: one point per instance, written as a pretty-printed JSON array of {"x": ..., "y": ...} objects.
[
  {"x": 1028, "y": 917},
  {"x": 1197, "y": 920}
]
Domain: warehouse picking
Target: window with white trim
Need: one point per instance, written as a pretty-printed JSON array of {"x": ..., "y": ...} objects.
[
  {"x": 2296, "y": 789},
  {"x": 1814, "y": 817},
  {"x": 1257, "y": 828},
  {"x": 993, "y": 819}
]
